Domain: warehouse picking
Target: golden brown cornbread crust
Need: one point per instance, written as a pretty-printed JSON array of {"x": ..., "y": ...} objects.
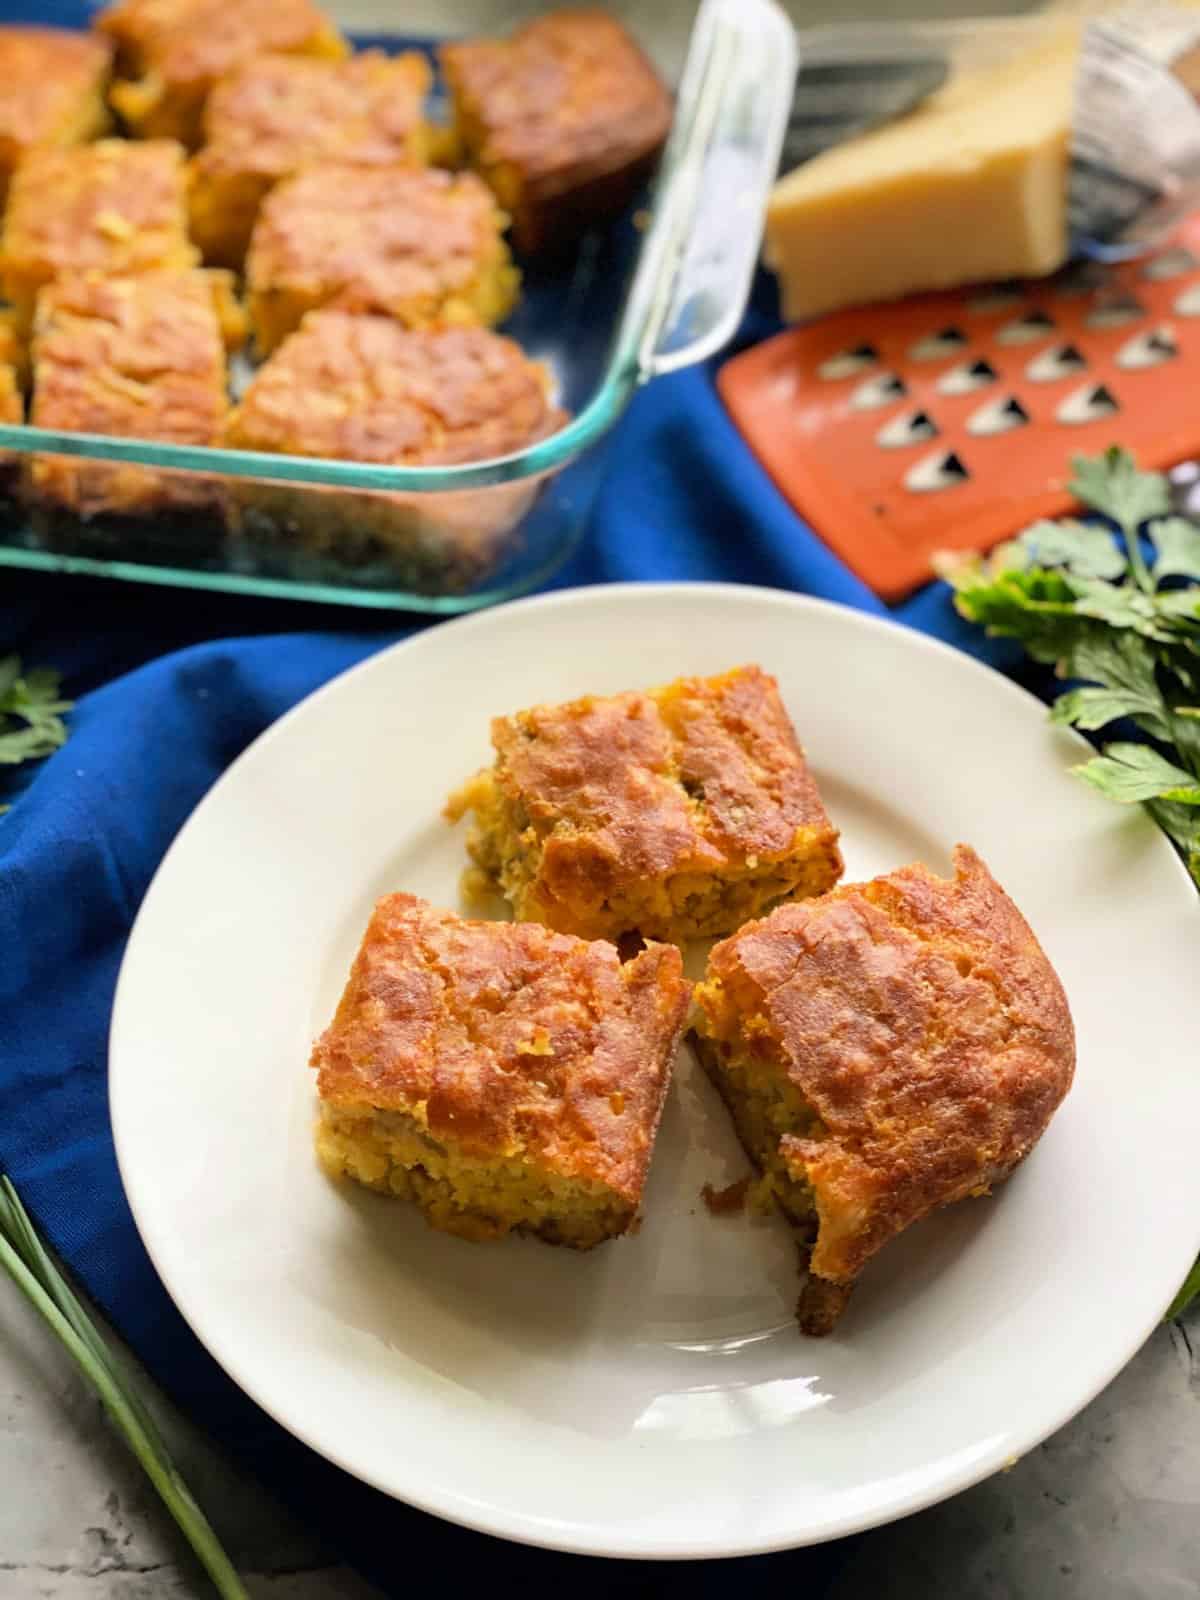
[
  {"x": 277, "y": 114},
  {"x": 417, "y": 244},
  {"x": 141, "y": 357},
  {"x": 51, "y": 89},
  {"x": 115, "y": 207},
  {"x": 363, "y": 388},
  {"x": 565, "y": 119},
  {"x": 921, "y": 1021},
  {"x": 171, "y": 52},
  {"x": 621, "y": 800},
  {"x": 507, "y": 1039}
]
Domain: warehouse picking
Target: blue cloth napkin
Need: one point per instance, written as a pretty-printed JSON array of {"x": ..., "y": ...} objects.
[{"x": 171, "y": 686}]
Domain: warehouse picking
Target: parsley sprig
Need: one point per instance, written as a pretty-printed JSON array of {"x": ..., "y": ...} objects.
[
  {"x": 1121, "y": 618},
  {"x": 31, "y": 713}
]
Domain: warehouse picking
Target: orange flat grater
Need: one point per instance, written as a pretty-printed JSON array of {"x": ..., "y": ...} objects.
[{"x": 948, "y": 421}]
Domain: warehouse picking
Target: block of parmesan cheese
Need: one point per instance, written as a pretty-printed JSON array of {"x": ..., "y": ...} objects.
[{"x": 970, "y": 186}]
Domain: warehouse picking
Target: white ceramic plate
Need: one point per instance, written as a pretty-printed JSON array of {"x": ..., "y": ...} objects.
[{"x": 652, "y": 1398}]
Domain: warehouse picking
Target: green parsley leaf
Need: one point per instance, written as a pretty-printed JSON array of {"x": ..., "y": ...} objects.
[
  {"x": 1121, "y": 606},
  {"x": 1037, "y": 606},
  {"x": 1182, "y": 825},
  {"x": 1129, "y": 773},
  {"x": 31, "y": 713},
  {"x": 1123, "y": 665},
  {"x": 1112, "y": 485},
  {"x": 1083, "y": 548},
  {"x": 1176, "y": 544}
]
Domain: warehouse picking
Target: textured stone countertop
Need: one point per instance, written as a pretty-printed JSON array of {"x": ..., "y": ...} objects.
[{"x": 1108, "y": 1509}]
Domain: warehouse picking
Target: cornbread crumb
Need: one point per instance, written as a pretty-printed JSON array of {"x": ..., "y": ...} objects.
[
  {"x": 727, "y": 1201},
  {"x": 677, "y": 814},
  {"x": 565, "y": 120},
  {"x": 276, "y": 114},
  {"x": 52, "y": 83},
  {"x": 140, "y": 357},
  {"x": 429, "y": 1091},
  {"x": 417, "y": 244},
  {"x": 170, "y": 53},
  {"x": 363, "y": 388},
  {"x": 114, "y": 207},
  {"x": 884, "y": 1051}
]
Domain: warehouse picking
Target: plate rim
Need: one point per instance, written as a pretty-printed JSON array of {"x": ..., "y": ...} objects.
[{"x": 888, "y": 1510}]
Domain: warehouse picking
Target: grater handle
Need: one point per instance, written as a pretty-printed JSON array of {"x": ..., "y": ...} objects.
[{"x": 698, "y": 262}]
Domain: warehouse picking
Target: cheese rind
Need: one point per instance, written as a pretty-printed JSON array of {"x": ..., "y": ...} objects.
[{"x": 970, "y": 186}]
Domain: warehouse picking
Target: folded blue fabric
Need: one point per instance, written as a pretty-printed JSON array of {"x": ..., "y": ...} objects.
[{"x": 160, "y": 716}]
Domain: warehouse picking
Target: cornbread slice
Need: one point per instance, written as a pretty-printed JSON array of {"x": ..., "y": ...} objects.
[
  {"x": 500, "y": 1076},
  {"x": 677, "y": 814},
  {"x": 14, "y": 349},
  {"x": 170, "y": 53},
  {"x": 418, "y": 244},
  {"x": 277, "y": 114},
  {"x": 565, "y": 120},
  {"x": 139, "y": 357},
  {"x": 52, "y": 85},
  {"x": 890, "y": 1048},
  {"x": 363, "y": 388},
  {"x": 112, "y": 207}
]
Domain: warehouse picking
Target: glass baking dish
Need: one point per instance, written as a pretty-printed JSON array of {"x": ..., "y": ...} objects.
[{"x": 659, "y": 290}]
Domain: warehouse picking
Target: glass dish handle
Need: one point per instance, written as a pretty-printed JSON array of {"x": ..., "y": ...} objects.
[{"x": 694, "y": 275}]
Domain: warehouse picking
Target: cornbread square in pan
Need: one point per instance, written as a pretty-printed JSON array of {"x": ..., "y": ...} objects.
[
  {"x": 277, "y": 114},
  {"x": 52, "y": 83},
  {"x": 139, "y": 357},
  {"x": 677, "y": 813},
  {"x": 113, "y": 207},
  {"x": 418, "y": 244},
  {"x": 170, "y": 53},
  {"x": 500, "y": 1076},
  {"x": 886, "y": 1050},
  {"x": 363, "y": 388},
  {"x": 565, "y": 120}
]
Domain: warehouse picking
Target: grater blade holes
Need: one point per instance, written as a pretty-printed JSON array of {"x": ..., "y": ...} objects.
[
  {"x": 1147, "y": 350},
  {"x": 942, "y": 470},
  {"x": 1171, "y": 264},
  {"x": 849, "y": 363},
  {"x": 883, "y": 390},
  {"x": 1000, "y": 297},
  {"x": 1084, "y": 278},
  {"x": 911, "y": 427},
  {"x": 998, "y": 416},
  {"x": 938, "y": 346},
  {"x": 1092, "y": 403},
  {"x": 1114, "y": 311},
  {"x": 1031, "y": 325},
  {"x": 1060, "y": 361},
  {"x": 968, "y": 377}
]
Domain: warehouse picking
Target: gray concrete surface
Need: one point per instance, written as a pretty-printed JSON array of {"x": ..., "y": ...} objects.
[{"x": 1108, "y": 1509}]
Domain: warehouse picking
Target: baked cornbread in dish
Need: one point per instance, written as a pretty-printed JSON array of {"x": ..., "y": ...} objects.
[
  {"x": 418, "y": 244},
  {"x": 114, "y": 207},
  {"x": 140, "y": 357},
  {"x": 500, "y": 1076},
  {"x": 170, "y": 53},
  {"x": 565, "y": 120},
  {"x": 277, "y": 114},
  {"x": 885, "y": 1050},
  {"x": 678, "y": 813},
  {"x": 14, "y": 348},
  {"x": 364, "y": 388},
  {"x": 52, "y": 84}
]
